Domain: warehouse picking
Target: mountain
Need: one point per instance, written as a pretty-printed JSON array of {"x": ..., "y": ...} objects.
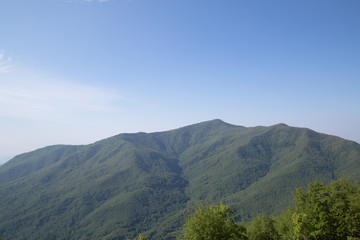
[{"x": 145, "y": 182}]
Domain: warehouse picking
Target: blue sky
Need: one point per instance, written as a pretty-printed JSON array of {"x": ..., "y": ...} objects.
[{"x": 77, "y": 71}]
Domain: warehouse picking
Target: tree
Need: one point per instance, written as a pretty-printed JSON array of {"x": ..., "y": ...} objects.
[
  {"x": 262, "y": 227},
  {"x": 327, "y": 211},
  {"x": 140, "y": 237},
  {"x": 212, "y": 223},
  {"x": 284, "y": 225}
]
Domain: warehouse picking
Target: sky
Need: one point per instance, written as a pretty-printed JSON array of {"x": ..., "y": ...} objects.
[{"x": 78, "y": 71}]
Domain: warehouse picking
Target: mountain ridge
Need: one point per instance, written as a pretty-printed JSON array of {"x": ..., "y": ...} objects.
[{"x": 144, "y": 182}]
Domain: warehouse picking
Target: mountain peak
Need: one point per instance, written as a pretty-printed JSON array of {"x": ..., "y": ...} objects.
[
  {"x": 215, "y": 123},
  {"x": 281, "y": 125},
  {"x": 208, "y": 128}
]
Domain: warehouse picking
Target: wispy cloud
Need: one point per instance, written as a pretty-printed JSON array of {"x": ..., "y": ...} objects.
[
  {"x": 36, "y": 96},
  {"x": 5, "y": 63}
]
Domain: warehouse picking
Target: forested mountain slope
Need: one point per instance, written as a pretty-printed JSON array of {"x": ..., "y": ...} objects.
[{"x": 145, "y": 182}]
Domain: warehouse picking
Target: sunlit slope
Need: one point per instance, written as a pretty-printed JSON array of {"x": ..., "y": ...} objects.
[{"x": 145, "y": 182}]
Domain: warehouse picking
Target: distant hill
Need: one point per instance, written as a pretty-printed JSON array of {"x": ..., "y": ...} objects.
[{"x": 146, "y": 182}]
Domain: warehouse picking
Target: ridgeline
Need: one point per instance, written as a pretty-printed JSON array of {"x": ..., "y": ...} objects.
[{"x": 145, "y": 182}]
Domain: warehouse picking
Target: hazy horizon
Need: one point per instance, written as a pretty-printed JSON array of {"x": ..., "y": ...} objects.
[{"x": 4, "y": 159}]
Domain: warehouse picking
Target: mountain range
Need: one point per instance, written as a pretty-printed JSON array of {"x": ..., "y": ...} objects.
[{"x": 145, "y": 183}]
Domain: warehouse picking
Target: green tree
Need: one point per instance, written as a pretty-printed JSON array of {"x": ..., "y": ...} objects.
[
  {"x": 212, "y": 223},
  {"x": 140, "y": 237},
  {"x": 327, "y": 211},
  {"x": 262, "y": 227},
  {"x": 284, "y": 225}
]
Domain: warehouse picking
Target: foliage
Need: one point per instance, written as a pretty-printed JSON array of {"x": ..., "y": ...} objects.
[
  {"x": 212, "y": 223},
  {"x": 262, "y": 227},
  {"x": 284, "y": 225},
  {"x": 321, "y": 212},
  {"x": 141, "y": 237},
  {"x": 328, "y": 211}
]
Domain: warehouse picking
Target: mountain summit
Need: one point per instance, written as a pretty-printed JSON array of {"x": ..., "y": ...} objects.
[{"x": 145, "y": 182}]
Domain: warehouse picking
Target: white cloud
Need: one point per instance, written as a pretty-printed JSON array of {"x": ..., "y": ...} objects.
[
  {"x": 38, "y": 109},
  {"x": 5, "y": 63},
  {"x": 37, "y": 96}
]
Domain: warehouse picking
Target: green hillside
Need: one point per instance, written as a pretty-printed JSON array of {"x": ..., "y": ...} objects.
[{"x": 146, "y": 182}]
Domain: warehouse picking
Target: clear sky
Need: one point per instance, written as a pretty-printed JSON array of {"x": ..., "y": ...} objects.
[{"x": 78, "y": 71}]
